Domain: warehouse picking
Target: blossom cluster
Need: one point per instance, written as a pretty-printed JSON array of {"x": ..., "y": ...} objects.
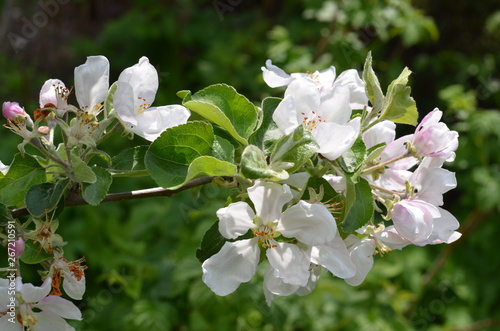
[{"x": 406, "y": 180}]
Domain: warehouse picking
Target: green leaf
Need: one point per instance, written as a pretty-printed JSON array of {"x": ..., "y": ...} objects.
[
  {"x": 208, "y": 166},
  {"x": 268, "y": 132},
  {"x": 372, "y": 85},
  {"x": 223, "y": 149},
  {"x": 254, "y": 165},
  {"x": 361, "y": 208},
  {"x": 5, "y": 214},
  {"x": 211, "y": 243},
  {"x": 83, "y": 173},
  {"x": 44, "y": 197},
  {"x": 354, "y": 158},
  {"x": 183, "y": 94},
  {"x": 222, "y": 105},
  {"x": 24, "y": 172},
  {"x": 399, "y": 106},
  {"x": 294, "y": 148},
  {"x": 130, "y": 162},
  {"x": 33, "y": 254},
  {"x": 170, "y": 155},
  {"x": 94, "y": 193}
]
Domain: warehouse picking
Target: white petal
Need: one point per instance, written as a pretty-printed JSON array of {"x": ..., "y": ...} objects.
[
  {"x": 314, "y": 273},
  {"x": 350, "y": 78},
  {"x": 61, "y": 307},
  {"x": 444, "y": 228},
  {"x": 383, "y": 132},
  {"x": 413, "y": 219},
  {"x": 337, "y": 182},
  {"x": 285, "y": 115},
  {"x": 275, "y": 284},
  {"x": 6, "y": 325},
  {"x": 74, "y": 288},
  {"x": 33, "y": 294},
  {"x": 275, "y": 76},
  {"x": 124, "y": 104},
  {"x": 297, "y": 182},
  {"x": 48, "y": 92},
  {"x": 291, "y": 263},
  {"x": 154, "y": 120},
  {"x": 234, "y": 264},
  {"x": 235, "y": 220},
  {"x": 335, "y": 257},
  {"x": 392, "y": 238},
  {"x": 311, "y": 224},
  {"x": 144, "y": 81},
  {"x": 336, "y": 109},
  {"x": 269, "y": 199},
  {"x": 49, "y": 322},
  {"x": 92, "y": 82},
  {"x": 362, "y": 256},
  {"x": 334, "y": 139}
]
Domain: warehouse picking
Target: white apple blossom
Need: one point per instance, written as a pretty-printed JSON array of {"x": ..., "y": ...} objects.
[
  {"x": 135, "y": 92},
  {"x": 236, "y": 262},
  {"x": 73, "y": 276},
  {"x": 361, "y": 251},
  {"x": 328, "y": 120},
  {"x": 414, "y": 219},
  {"x": 325, "y": 81},
  {"x": 35, "y": 309},
  {"x": 92, "y": 84}
]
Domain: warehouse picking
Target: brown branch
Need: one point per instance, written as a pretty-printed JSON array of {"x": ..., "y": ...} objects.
[{"x": 77, "y": 200}]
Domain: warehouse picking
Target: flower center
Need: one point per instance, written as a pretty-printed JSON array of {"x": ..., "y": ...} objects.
[
  {"x": 310, "y": 123},
  {"x": 266, "y": 236},
  {"x": 143, "y": 105}
]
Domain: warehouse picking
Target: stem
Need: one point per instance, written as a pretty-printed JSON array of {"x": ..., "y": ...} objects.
[
  {"x": 383, "y": 164},
  {"x": 77, "y": 200},
  {"x": 37, "y": 144}
]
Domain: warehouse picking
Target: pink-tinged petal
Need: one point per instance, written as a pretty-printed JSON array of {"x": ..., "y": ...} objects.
[
  {"x": 50, "y": 322},
  {"x": 235, "y": 220},
  {"x": 48, "y": 93},
  {"x": 443, "y": 231},
  {"x": 269, "y": 199},
  {"x": 335, "y": 257},
  {"x": 383, "y": 132},
  {"x": 392, "y": 238},
  {"x": 6, "y": 325},
  {"x": 124, "y": 104},
  {"x": 144, "y": 81},
  {"x": 290, "y": 262},
  {"x": 234, "y": 264},
  {"x": 92, "y": 82},
  {"x": 74, "y": 288},
  {"x": 311, "y": 224},
  {"x": 11, "y": 110},
  {"x": 432, "y": 182},
  {"x": 154, "y": 120},
  {"x": 32, "y": 294},
  {"x": 336, "y": 108},
  {"x": 275, "y": 76},
  {"x": 350, "y": 78},
  {"x": 413, "y": 219},
  {"x": 361, "y": 251},
  {"x": 60, "y": 307},
  {"x": 334, "y": 139}
]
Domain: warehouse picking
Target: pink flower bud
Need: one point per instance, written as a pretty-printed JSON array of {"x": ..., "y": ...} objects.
[
  {"x": 11, "y": 110},
  {"x": 44, "y": 130},
  {"x": 19, "y": 247}
]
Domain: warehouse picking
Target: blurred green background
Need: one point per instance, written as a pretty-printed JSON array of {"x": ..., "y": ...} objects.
[{"x": 142, "y": 271}]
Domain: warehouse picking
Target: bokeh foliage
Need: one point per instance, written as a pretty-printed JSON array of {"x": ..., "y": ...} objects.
[{"x": 143, "y": 273}]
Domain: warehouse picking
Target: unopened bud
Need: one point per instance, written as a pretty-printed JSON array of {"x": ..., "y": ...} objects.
[
  {"x": 19, "y": 247},
  {"x": 11, "y": 110},
  {"x": 44, "y": 130}
]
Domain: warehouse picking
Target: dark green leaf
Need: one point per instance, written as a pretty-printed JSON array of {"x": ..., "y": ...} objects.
[
  {"x": 24, "y": 172},
  {"x": 361, "y": 209},
  {"x": 354, "y": 158},
  {"x": 268, "y": 132},
  {"x": 94, "y": 193},
  {"x": 130, "y": 162},
  {"x": 44, "y": 197},
  {"x": 33, "y": 254},
  {"x": 170, "y": 155},
  {"x": 223, "y": 149},
  {"x": 254, "y": 165},
  {"x": 211, "y": 243},
  {"x": 222, "y": 105}
]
